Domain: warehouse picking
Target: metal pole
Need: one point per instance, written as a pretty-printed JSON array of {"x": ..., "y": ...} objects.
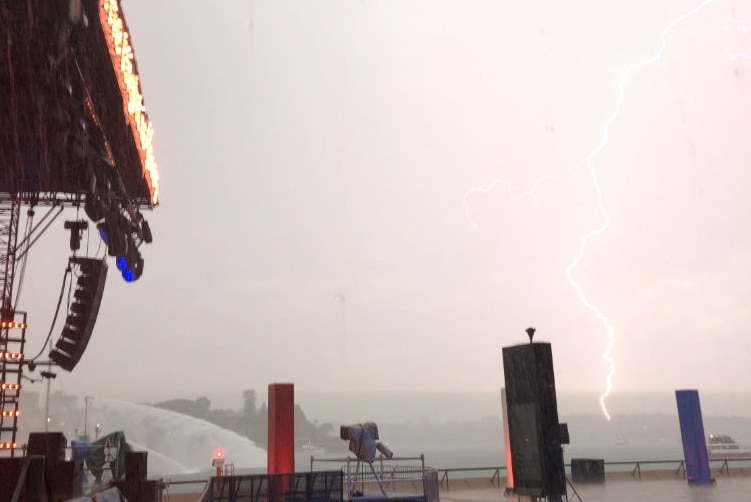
[
  {"x": 86, "y": 418},
  {"x": 47, "y": 408},
  {"x": 47, "y": 402}
]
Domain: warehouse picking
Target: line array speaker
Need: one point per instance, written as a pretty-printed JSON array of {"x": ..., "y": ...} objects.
[{"x": 82, "y": 313}]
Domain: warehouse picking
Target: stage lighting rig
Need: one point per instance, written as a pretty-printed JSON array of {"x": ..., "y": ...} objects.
[
  {"x": 114, "y": 232},
  {"x": 123, "y": 237},
  {"x": 77, "y": 137},
  {"x": 130, "y": 264}
]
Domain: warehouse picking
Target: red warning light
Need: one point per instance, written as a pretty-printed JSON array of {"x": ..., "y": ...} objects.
[{"x": 219, "y": 454}]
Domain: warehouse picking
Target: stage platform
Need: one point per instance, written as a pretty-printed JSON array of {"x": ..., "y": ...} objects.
[{"x": 665, "y": 488}]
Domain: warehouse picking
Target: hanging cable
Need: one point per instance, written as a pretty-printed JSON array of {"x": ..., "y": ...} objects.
[
  {"x": 57, "y": 311},
  {"x": 26, "y": 234}
]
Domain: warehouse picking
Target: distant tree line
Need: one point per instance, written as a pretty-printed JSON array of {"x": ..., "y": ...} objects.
[{"x": 252, "y": 420}]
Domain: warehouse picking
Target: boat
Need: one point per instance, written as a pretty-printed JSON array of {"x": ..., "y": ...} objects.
[
  {"x": 310, "y": 447},
  {"x": 723, "y": 446}
]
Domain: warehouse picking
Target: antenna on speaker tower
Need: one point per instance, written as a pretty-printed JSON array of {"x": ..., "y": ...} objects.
[{"x": 530, "y": 333}]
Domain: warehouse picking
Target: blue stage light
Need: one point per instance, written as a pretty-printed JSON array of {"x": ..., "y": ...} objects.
[
  {"x": 122, "y": 263},
  {"x": 128, "y": 275},
  {"x": 102, "y": 233}
]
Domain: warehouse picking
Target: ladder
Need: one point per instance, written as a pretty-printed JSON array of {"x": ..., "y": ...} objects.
[
  {"x": 10, "y": 209},
  {"x": 12, "y": 326},
  {"x": 12, "y": 341}
]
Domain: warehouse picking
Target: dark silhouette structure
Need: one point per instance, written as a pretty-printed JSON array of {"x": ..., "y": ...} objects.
[
  {"x": 75, "y": 134},
  {"x": 536, "y": 435}
]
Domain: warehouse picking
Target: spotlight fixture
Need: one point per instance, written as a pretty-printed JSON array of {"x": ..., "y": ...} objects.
[
  {"x": 76, "y": 228},
  {"x": 134, "y": 272},
  {"x": 113, "y": 234},
  {"x": 130, "y": 264},
  {"x": 95, "y": 206}
]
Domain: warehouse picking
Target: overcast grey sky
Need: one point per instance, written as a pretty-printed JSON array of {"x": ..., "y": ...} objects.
[{"x": 379, "y": 195}]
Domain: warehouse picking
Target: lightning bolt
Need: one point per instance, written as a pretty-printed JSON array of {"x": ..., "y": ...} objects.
[
  {"x": 512, "y": 192},
  {"x": 626, "y": 76},
  {"x": 591, "y": 167}
]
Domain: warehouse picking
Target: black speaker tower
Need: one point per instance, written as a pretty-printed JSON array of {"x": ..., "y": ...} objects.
[
  {"x": 535, "y": 433},
  {"x": 82, "y": 313}
]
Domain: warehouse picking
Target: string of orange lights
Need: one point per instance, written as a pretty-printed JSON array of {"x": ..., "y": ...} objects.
[{"x": 121, "y": 51}]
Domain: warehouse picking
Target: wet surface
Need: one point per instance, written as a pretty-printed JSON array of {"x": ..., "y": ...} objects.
[{"x": 725, "y": 490}]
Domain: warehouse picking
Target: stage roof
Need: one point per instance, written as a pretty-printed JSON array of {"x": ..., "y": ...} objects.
[{"x": 71, "y": 106}]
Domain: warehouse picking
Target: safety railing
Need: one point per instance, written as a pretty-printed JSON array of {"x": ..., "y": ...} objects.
[
  {"x": 637, "y": 466},
  {"x": 634, "y": 467},
  {"x": 395, "y": 474},
  {"x": 319, "y": 486},
  {"x": 681, "y": 465},
  {"x": 493, "y": 474},
  {"x": 443, "y": 480}
]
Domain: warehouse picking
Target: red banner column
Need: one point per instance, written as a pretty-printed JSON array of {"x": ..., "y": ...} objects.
[{"x": 281, "y": 448}]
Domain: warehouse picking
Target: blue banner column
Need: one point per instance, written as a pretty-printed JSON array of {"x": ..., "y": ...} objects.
[{"x": 692, "y": 435}]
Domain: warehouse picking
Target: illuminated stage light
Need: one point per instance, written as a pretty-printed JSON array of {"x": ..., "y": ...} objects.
[
  {"x": 8, "y": 445},
  {"x": 13, "y": 325},
  {"x": 131, "y": 264},
  {"x": 11, "y": 413},
  {"x": 9, "y": 386},
  {"x": 11, "y": 356},
  {"x": 122, "y": 263},
  {"x": 118, "y": 41},
  {"x": 112, "y": 231},
  {"x": 103, "y": 232},
  {"x": 133, "y": 271}
]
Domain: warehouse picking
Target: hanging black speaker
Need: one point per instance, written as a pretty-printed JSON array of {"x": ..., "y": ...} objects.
[{"x": 91, "y": 274}]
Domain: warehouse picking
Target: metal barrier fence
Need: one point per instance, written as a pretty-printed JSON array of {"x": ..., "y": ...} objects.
[
  {"x": 443, "y": 480},
  {"x": 681, "y": 465},
  {"x": 634, "y": 467},
  {"x": 320, "y": 486},
  {"x": 393, "y": 474}
]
